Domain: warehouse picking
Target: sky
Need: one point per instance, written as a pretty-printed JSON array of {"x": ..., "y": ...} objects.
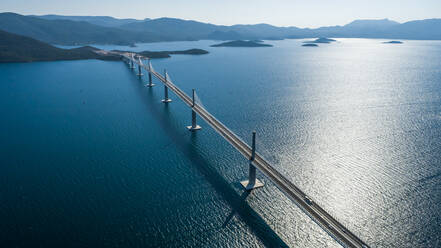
[{"x": 305, "y": 13}]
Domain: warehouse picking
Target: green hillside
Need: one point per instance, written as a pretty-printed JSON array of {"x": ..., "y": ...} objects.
[{"x": 17, "y": 48}]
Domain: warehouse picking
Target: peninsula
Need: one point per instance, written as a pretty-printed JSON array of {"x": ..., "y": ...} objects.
[{"x": 17, "y": 48}]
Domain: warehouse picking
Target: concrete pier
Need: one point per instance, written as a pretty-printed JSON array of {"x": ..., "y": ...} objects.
[
  {"x": 151, "y": 84},
  {"x": 166, "y": 99},
  {"x": 194, "y": 126},
  {"x": 139, "y": 71},
  {"x": 252, "y": 182}
]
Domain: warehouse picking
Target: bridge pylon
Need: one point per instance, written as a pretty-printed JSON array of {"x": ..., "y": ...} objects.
[
  {"x": 131, "y": 65},
  {"x": 252, "y": 182},
  {"x": 139, "y": 71},
  {"x": 151, "y": 84},
  {"x": 194, "y": 126},
  {"x": 166, "y": 99}
]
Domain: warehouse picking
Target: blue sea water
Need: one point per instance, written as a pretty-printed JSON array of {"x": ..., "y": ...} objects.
[{"x": 89, "y": 157}]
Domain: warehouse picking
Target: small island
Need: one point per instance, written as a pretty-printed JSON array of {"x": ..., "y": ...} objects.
[
  {"x": 393, "y": 42},
  {"x": 241, "y": 43},
  {"x": 321, "y": 40},
  {"x": 310, "y": 45}
]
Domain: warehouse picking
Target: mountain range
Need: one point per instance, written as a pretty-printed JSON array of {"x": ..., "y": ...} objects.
[
  {"x": 74, "y": 30},
  {"x": 106, "y": 21}
]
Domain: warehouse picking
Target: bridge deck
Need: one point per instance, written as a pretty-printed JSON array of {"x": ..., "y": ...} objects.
[{"x": 318, "y": 214}]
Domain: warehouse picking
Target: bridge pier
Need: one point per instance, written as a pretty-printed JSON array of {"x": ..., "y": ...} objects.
[
  {"x": 252, "y": 182},
  {"x": 166, "y": 99},
  {"x": 151, "y": 84},
  {"x": 194, "y": 126},
  {"x": 139, "y": 71},
  {"x": 150, "y": 76},
  {"x": 131, "y": 64}
]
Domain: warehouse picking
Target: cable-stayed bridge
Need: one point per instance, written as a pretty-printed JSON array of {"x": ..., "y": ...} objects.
[{"x": 312, "y": 209}]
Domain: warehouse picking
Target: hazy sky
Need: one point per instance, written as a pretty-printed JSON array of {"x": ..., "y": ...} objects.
[{"x": 305, "y": 13}]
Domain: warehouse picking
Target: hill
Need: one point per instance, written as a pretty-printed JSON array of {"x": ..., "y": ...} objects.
[
  {"x": 175, "y": 29},
  {"x": 17, "y": 48},
  {"x": 105, "y": 21},
  {"x": 429, "y": 29},
  {"x": 67, "y": 32}
]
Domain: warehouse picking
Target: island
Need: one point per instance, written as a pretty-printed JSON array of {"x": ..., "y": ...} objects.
[
  {"x": 166, "y": 54},
  {"x": 310, "y": 45},
  {"x": 241, "y": 43},
  {"x": 321, "y": 40},
  {"x": 393, "y": 42}
]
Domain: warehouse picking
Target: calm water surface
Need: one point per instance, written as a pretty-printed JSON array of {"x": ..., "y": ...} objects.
[{"x": 89, "y": 157}]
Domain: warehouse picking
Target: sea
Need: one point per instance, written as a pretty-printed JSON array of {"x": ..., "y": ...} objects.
[{"x": 90, "y": 157}]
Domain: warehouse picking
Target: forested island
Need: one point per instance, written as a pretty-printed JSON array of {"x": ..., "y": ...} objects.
[
  {"x": 241, "y": 43},
  {"x": 166, "y": 54},
  {"x": 310, "y": 45},
  {"x": 393, "y": 42}
]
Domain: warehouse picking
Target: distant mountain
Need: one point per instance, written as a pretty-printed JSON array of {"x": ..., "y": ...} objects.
[
  {"x": 175, "y": 29},
  {"x": 429, "y": 29},
  {"x": 178, "y": 29},
  {"x": 266, "y": 31},
  {"x": 105, "y": 21},
  {"x": 225, "y": 35},
  {"x": 371, "y": 24},
  {"x": 69, "y": 32},
  {"x": 17, "y": 48}
]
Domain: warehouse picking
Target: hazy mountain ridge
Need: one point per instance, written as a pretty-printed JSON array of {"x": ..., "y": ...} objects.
[
  {"x": 105, "y": 21},
  {"x": 68, "y": 32}
]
